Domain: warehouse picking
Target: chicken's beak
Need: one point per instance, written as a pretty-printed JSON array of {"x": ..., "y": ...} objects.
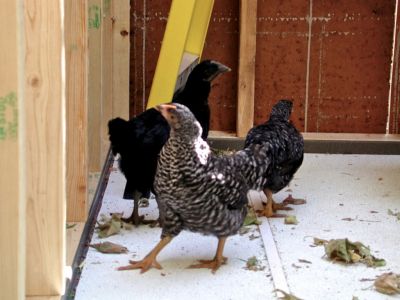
[
  {"x": 221, "y": 68},
  {"x": 164, "y": 109}
]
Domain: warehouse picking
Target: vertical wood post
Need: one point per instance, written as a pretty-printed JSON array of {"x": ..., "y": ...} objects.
[
  {"x": 393, "y": 120},
  {"x": 106, "y": 73},
  {"x": 120, "y": 58},
  {"x": 12, "y": 204},
  {"x": 76, "y": 96},
  {"x": 44, "y": 147},
  {"x": 247, "y": 57},
  {"x": 95, "y": 20}
]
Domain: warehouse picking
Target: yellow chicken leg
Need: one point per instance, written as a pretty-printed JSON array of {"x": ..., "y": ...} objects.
[
  {"x": 215, "y": 263},
  {"x": 150, "y": 260},
  {"x": 271, "y": 206}
]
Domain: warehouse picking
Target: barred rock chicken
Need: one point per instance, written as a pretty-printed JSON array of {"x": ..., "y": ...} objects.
[
  {"x": 198, "y": 191},
  {"x": 287, "y": 154},
  {"x": 139, "y": 140}
]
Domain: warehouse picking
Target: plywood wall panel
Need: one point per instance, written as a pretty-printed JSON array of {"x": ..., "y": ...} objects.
[
  {"x": 331, "y": 57},
  {"x": 350, "y": 59},
  {"x": 222, "y": 44}
]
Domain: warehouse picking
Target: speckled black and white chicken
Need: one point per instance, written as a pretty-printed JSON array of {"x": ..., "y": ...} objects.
[
  {"x": 139, "y": 140},
  {"x": 285, "y": 158},
  {"x": 199, "y": 191}
]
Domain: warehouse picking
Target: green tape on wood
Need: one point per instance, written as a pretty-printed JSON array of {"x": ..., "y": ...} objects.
[{"x": 8, "y": 117}]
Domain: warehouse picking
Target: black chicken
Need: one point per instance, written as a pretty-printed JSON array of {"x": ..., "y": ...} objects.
[
  {"x": 139, "y": 140},
  {"x": 199, "y": 191},
  {"x": 196, "y": 91},
  {"x": 286, "y": 156}
]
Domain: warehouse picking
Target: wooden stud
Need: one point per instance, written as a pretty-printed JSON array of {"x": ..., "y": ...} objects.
[
  {"x": 247, "y": 58},
  {"x": 121, "y": 61},
  {"x": 393, "y": 120},
  {"x": 12, "y": 208},
  {"x": 95, "y": 19},
  {"x": 44, "y": 148},
  {"x": 76, "y": 94},
  {"x": 106, "y": 74}
]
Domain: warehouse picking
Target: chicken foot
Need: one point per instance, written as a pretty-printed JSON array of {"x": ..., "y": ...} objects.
[
  {"x": 135, "y": 218},
  {"x": 271, "y": 206},
  {"x": 215, "y": 263},
  {"x": 150, "y": 260},
  {"x": 293, "y": 201}
]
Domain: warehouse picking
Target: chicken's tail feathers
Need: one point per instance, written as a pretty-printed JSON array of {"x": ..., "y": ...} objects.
[{"x": 117, "y": 131}]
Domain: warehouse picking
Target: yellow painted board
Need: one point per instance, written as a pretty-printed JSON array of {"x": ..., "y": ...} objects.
[
  {"x": 45, "y": 154},
  {"x": 199, "y": 26},
  {"x": 12, "y": 208},
  {"x": 171, "y": 52}
]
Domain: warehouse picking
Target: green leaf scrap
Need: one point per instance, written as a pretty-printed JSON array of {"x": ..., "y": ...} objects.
[
  {"x": 253, "y": 264},
  {"x": 251, "y": 218},
  {"x": 287, "y": 296},
  {"x": 348, "y": 252},
  {"x": 291, "y": 220},
  {"x": 110, "y": 226},
  {"x": 392, "y": 213}
]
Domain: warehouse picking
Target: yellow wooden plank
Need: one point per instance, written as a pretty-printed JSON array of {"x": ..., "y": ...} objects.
[
  {"x": 171, "y": 52},
  {"x": 76, "y": 92},
  {"x": 247, "y": 58},
  {"x": 45, "y": 148},
  {"x": 94, "y": 85},
  {"x": 199, "y": 26},
  {"x": 12, "y": 210},
  {"x": 121, "y": 61}
]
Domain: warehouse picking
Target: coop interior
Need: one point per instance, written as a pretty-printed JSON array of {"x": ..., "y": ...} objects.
[{"x": 69, "y": 67}]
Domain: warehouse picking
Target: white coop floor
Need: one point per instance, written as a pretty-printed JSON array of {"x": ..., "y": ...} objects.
[{"x": 336, "y": 187}]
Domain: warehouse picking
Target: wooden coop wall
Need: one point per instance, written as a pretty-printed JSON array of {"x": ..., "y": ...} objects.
[
  {"x": 65, "y": 75},
  {"x": 332, "y": 57}
]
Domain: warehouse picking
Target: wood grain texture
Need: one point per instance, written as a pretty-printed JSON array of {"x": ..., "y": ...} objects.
[
  {"x": 120, "y": 68},
  {"x": 76, "y": 52},
  {"x": 12, "y": 210},
  {"x": 95, "y": 17},
  {"x": 45, "y": 148},
  {"x": 247, "y": 60},
  {"x": 106, "y": 74},
  {"x": 394, "y": 91}
]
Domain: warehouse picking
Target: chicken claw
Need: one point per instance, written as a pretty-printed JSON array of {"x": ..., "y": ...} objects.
[
  {"x": 213, "y": 264},
  {"x": 144, "y": 264},
  {"x": 293, "y": 201},
  {"x": 150, "y": 260}
]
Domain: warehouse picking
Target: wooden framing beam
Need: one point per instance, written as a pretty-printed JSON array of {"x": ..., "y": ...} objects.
[
  {"x": 12, "y": 204},
  {"x": 120, "y": 58},
  {"x": 247, "y": 58},
  {"x": 44, "y": 147},
  {"x": 95, "y": 160},
  {"x": 106, "y": 74},
  {"x": 76, "y": 52},
  {"x": 393, "y": 122}
]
